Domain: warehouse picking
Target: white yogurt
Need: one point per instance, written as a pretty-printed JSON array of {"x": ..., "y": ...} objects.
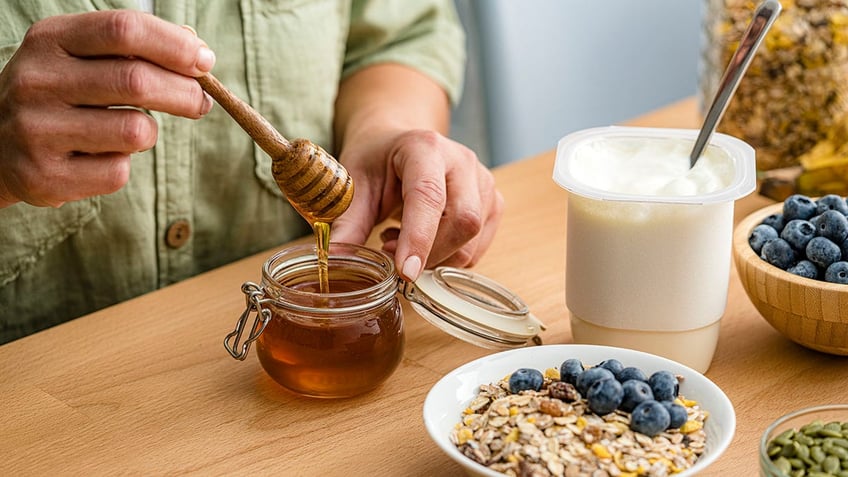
[
  {"x": 648, "y": 244},
  {"x": 650, "y": 166}
]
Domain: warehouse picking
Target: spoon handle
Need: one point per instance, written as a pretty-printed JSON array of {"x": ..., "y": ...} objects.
[
  {"x": 253, "y": 123},
  {"x": 764, "y": 16}
]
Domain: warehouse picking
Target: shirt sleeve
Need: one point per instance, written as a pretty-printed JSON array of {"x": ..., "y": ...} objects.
[{"x": 423, "y": 34}]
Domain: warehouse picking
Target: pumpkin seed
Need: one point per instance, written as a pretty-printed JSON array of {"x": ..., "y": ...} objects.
[
  {"x": 831, "y": 464},
  {"x": 817, "y": 454},
  {"x": 783, "y": 464},
  {"x": 817, "y": 449},
  {"x": 840, "y": 452}
]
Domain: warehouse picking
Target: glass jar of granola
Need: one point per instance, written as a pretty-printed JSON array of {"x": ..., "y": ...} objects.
[{"x": 792, "y": 105}]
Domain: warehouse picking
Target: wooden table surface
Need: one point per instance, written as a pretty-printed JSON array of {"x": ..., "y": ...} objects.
[{"x": 146, "y": 387}]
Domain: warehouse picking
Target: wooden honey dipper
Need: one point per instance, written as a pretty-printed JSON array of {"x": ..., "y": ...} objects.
[{"x": 315, "y": 184}]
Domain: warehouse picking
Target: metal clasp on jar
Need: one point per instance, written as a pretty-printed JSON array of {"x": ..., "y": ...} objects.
[{"x": 254, "y": 299}]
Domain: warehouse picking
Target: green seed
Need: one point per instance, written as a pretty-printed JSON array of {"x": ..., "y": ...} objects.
[
  {"x": 788, "y": 450},
  {"x": 783, "y": 464},
  {"x": 831, "y": 464},
  {"x": 817, "y": 449},
  {"x": 829, "y": 448},
  {"x": 834, "y": 426},
  {"x": 801, "y": 451},
  {"x": 817, "y": 454},
  {"x": 774, "y": 450},
  {"x": 840, "y": 452},
  {"x": 812, "y": 429},
  {"x": 785, "y": 437}
]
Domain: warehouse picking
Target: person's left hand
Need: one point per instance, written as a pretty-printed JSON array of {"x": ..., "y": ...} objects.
[{"x": 444, "y": 197}]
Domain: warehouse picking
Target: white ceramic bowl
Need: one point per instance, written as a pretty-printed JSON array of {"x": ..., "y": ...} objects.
[{"x": 451, "y": 395}]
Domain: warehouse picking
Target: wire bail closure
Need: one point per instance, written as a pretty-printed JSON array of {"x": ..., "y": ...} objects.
[
  {"x": 254, "y": 297},
  {"x": 461, "y": 303}
]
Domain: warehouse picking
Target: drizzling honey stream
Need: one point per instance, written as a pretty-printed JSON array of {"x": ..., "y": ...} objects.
[{"x": 315, "y": 184}]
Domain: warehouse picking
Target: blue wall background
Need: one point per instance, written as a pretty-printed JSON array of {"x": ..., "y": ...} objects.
[{"x": 540, "y": 69}]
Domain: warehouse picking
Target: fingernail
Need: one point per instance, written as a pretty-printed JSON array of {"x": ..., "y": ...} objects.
[
  {"x": 189, "y": 28},
  {"x": 207, "y": 103},
  {"x": 411, "y": 268},
  {"x": 205, "y": 59}
]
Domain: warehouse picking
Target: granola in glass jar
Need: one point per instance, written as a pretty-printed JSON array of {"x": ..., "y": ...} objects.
[{"x": 792, "y": 105}]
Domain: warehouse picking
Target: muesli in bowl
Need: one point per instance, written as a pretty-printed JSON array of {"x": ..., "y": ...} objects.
[{"x": 567, "y": 410}]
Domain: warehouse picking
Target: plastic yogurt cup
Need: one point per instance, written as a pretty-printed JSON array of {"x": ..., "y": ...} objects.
[{"x": 649, "y": 239}]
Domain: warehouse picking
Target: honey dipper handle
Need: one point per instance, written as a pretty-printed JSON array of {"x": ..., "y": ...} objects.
[{"x": 256, "y": 126}]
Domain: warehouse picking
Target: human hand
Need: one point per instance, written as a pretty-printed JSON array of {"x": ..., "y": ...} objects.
[
  {"x": 61, "y": 137},
  {"x": 446, "y": 200}
]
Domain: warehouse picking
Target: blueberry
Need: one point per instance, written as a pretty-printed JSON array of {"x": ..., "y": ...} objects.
[
  {"x": 831, "y": 202},
  {"x": 677, "y": 413},
  {"x": 760, "y": 235},
  {"x": 832, "y": 225},
  {"x": 823, "y": 252},
  {"x": 569, "y": 370},
  {"x": 804, "y": 268},
  {"x": 779, "y": 253},
  {"x": 635, "y": 391},
  {"x": 837, "y": 273},
  {"x": 664, "y": 385},
  {"x": 524, "y": 379},
  {"x": 613, "y": 365},
  {"x": 798, "y": 233},
  {"x": 604, "y": 396},
  {"x": 798, "y": 206},
  {"x": 649, "y": 418},
  {"x": 844, "y": 248},
  {"x": 631, "y": 372},
  {"x": 776, "y": 222},
  {"x": 588, "y": 377}
]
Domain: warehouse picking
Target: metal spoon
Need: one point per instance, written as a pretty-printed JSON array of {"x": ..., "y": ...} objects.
[{"x": 764, "y": 16}]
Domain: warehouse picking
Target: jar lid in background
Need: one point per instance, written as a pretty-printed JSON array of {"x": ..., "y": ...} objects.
[{"x": 473, "y": 308}]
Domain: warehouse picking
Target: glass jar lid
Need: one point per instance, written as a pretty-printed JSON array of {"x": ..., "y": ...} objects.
[{"x": 473, "y": 308}]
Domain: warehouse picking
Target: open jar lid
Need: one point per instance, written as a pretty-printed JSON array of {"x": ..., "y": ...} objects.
[{"x": 473, "y": 308}]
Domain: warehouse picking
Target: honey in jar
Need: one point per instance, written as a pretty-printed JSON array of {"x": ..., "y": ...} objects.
[
  {"x": 340, "y": 343},
  {"x": 348, "y": 339}
]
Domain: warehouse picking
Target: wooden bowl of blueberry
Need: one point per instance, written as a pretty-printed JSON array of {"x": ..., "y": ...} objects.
[{"x": 792, "y": 259}]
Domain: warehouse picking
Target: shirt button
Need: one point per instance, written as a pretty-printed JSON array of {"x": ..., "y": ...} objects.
[{"x": 178, "y": 233}]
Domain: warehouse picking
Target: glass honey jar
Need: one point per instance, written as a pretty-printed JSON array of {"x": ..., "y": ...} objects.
[
  {"x": 335, "y": 344},
  {"x": 350, "y": 340}
]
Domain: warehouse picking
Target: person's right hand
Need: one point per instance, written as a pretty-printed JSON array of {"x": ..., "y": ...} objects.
[{"x": 61, "y": 136}]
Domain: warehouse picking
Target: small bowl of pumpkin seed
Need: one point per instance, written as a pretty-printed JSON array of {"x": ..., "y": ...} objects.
[{"x": 809, "y": 442}]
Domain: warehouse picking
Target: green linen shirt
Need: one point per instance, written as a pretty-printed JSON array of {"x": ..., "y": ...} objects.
[{"x": 286, "y": 58}]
